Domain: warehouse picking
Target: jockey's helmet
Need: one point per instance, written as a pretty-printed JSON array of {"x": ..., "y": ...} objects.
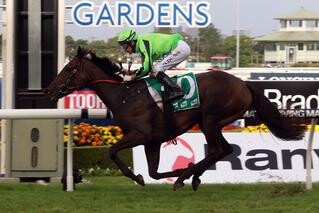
[{"x": 126, "y": 35}]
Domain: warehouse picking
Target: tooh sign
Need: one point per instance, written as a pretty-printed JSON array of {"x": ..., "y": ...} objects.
[
  {"x": 257, "y": 157},
  {"x": 83, "y": 99}
]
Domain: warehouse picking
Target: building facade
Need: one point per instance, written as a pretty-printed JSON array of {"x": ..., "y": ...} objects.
[{"x": 297, "y": 40}]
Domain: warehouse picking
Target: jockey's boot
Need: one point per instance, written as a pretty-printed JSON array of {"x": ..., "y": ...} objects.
[{"x": 175, "y": 91}]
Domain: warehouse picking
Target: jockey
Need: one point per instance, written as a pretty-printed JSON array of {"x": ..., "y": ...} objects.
[{"x": 169, "y": 50}]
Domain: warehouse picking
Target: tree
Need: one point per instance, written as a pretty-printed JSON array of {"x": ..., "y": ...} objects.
[
  {"x": 99, "y": 47},
  {"x": 210, "y": 42},
  {"x": 246, "y": 49},
  {"x": 70, "y": 47},
  {"x": 113, "y": 50},
  {"x": 81, "y": 42},
  {"x": 165, "y": 30}
]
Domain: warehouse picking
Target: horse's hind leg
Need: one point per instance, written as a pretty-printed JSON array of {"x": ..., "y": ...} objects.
[
  {"x": 128, "y": 141},
  {"x": 152, "y": 152},
  {"x": 227, "y": 149},
  {"x": 217, "y": 149}
]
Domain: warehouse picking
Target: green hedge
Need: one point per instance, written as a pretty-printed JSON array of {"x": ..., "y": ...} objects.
[{"x": 93, "y": 157}]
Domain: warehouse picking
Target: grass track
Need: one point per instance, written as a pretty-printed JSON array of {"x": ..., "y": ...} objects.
[{"x": 119, "y": 194}]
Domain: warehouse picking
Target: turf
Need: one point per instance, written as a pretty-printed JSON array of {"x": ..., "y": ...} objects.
[{"x": 119, "y": 194}]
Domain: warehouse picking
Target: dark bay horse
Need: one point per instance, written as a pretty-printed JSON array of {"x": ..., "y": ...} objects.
[{"x": 223, "y": 98}]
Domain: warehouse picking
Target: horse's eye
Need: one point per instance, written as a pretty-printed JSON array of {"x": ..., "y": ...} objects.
[{"x": 74, "y": 70}]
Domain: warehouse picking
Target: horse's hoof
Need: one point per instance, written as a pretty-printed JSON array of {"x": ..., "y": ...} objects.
[
  {"x": 140, "y": 180},
  {"x": 195, "y": 183},
  {"x": 178, "y": 185}
]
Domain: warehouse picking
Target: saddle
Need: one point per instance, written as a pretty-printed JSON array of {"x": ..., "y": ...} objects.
[{"x": 188, "y": 84}]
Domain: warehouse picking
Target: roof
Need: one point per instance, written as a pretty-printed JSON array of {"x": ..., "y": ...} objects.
[
  {"x": 290, "y": 36},
  {"x": 300, "y": 14}
]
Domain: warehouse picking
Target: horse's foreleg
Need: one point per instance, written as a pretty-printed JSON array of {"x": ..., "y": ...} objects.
[
  {"x": 152, "y": 152},
  {"x": 128, "y": 141}
]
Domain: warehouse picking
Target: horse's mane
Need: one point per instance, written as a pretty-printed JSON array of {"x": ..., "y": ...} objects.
[{"x": 104, "y": 63}]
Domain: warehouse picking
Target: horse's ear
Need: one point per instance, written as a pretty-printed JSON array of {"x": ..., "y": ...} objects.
[{"x": 79, "y": 52}]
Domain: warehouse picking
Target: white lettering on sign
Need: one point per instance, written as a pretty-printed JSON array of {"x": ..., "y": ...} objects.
[
  {"x": 275, "y": 96},
  {"x": 142, "y": 14},
  {"x": 83, "y": 100}
]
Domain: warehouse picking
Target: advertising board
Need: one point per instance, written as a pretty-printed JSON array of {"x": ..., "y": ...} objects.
[
  {"x": 83, "y": 99},
  {"x": 288, "y": 75},
  {"x": 257, "y": 157},
  {"x": 293, "y": 98}
]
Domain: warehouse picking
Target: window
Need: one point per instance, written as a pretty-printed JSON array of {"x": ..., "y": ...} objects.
[
  {"x": 311, "y": 46},
  {"x": 270, "y": 47},
  {"x": 317, "y": 46},
  {"x": 295, "y": 23},
  {"x": 312, "y": 23},
  {"x": 283, "y": 23},
  {"x": 300, "y": 46},
  {"x": 282, "y": 46}
]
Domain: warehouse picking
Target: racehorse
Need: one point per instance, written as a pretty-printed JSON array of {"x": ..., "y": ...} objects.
[{"x": 224, "y": 98}]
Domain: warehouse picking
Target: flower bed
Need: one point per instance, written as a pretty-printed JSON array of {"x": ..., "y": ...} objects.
[
  {"x": 91, "y": 135},
  {"x": 85, "y": 134},
  {"x": 258, "y": 128}
]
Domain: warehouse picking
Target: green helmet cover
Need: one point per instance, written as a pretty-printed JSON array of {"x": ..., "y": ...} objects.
[{"x": 127, "y": 35}]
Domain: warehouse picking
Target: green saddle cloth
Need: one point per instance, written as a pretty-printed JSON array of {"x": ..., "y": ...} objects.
[{"x": 188, "y": 83}]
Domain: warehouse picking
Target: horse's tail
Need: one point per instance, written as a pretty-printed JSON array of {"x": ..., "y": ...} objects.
[{"x": 284, "y": 128}]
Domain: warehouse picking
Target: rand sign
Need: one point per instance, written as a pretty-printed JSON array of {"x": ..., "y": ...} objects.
[
  {"x": 293, "y": 98},
  {"x": 257, "y": 157}
]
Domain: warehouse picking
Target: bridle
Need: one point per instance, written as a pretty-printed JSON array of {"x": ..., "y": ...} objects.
[{"x": 65, "y": 88}]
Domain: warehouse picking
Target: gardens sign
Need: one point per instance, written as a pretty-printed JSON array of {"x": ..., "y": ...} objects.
[{"x": 142, "y": 13}]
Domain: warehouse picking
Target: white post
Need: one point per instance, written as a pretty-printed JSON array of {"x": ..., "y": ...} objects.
[
  {"x": 61, "y": 43},
  {"x": 69, "y": 177},
  {"x": 237, "y": 33},
  {"x": 8, "y": 75},
  {"x": 309, "y": 155}
]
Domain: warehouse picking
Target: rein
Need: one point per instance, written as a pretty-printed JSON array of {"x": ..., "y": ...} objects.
[{"x": 107, "y": 81}]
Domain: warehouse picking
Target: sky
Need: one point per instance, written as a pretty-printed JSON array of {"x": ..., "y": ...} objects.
[{"x": 255, "y": 16}]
